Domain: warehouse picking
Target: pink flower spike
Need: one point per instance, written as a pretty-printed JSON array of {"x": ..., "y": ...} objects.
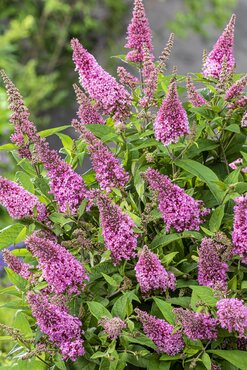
[
  {"x": 239, "y": 234},
  {"x": 171, "y": 122},
  {"x": 112, "y": 327},
  {"x": 222, "y": 48},
  {"x": 234, "y": 165},
  {"x": 151, "y": 275},
  {"x": 236, "y": 89},
  {"x": 18, "y": 266},
  {"x": 138, "y": 34},
  {"x": 194, "y": 97},
  {"x": 232, "y": 315},
  {"x": 244, "y": 120}
]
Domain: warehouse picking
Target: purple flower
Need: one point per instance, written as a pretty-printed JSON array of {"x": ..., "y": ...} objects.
[
  {"x": 109, "y": 171},
  {"x": 194, "y": 97},
  {"x": 126, "y": 78},
  {"x": 161, "y": 333},
  {"x": 150, "y": 76},
  {"x": 239, "y": 234},
  {"x": 86, "y": 113},
  {"x": 222, "y": 49},
  {"x": 236, "y": 89},
  {"x": 17, "y": 265},
  {"x": 138, "y": 34},
  {"x": 110, "y": 96},
  {"x": 196, "y": 325},
  {"x": 19, "y": 202},
  {"x": 178, "y": 209},
  {"x": 112, "y": 327},
  {"x": 234, "y": 164},
  {"x": 150, "y": 273},
  {"x": 212, "y": 270},
  {"x": 171, "y": 122},
  {"x": 66, "y": 185},
  {"x": 59, "y": 267},
  {"x": 117, "y": 228},
  {"x": 62, "y": 329},
  {"x": 240, "y": 103},
  {"x": 232, "y": 315},
  {"x": 244, "y": 120}
]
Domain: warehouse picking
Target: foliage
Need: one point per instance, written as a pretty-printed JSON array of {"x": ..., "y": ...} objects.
[{"x": 107, "y": 220}]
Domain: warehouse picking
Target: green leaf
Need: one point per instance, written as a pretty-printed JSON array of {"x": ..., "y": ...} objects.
[
  {"x": 24, "y": 179},
  {"x": 9, "y": 234},
  {"x": 233, "y": 128},
  {"x": 16, "y": 279},
  {"x": 105, "y": 133},
  {"x": 206, "y": 361},
  {"x": 203, "y": 173},
  {"x": 166, "y": 309},
  {"x": 168, "y": 258},
  {"x": 216, "y": 218},
  {"x": 202, "y": 293},
  {"x": 98, "y": 310},
  {"x": 8, "y": 147},
  {"x": 21, "y": 323},
  {"x": 237, "y": 358},
  {"x": 52, "y": 131},
  {"x": 157, "y": 365},
  {"x": 110, "y": 280},
  {"x": 141, "y": 339},
  {"x": 66, "y": 141}
]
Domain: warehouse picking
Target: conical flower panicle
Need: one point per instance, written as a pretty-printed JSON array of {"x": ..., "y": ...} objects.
[
  {"x": 109, "y": 172},
  {"x": 165, "y": 55},
  {"x": 25, "y": 131},
  {"x": 138, "y": 34},
  {"x": 222, "y": 49},
  {"x": 86, "y": 113},
  {"x": 212, "y": 270},
  {"x": 194, "y": 97},
  {"x": 63, "y": 329},
  {"x": 66, "y": 185},
  {"x": 110, "y": 96},
  {"x": 244, "y": 120},
  {"x": 236, "y": 89},
  {"x": 19, "y": 202},
  {"x": 151, "y": 275},
  {"x": 171, "y": 121},
  {"x": 18, "y": 266},
  {"x": 60, "y": 268},
  {"x": 117, "y": 228},
  {"x": 196, "y": 325},
  {"x": 239, "y": 234},
  {"x": 161, "y": 333},
  {"x": 232, "y": 315},
  {"x": 112, "y": 327},
  {"x": 150, "y": 76},
  {"x": 126, "y": 78},
  {"x": 178, "y": 209}
]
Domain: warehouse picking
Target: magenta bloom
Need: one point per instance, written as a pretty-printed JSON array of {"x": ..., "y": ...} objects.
[
  {"x": 161, "y": 333},
  {"x": 126, "y": 78},
  {"x": 109, "y": 172},
  {"x": 151, "y": 275},
  {"x": 110, "y": 96},
  {"x": 222, "y": 49},
  {"x": 117, "y": 228},
  {"x": 112, "y": 327},
  {"x": 138, "y": 34},
  {"x": 239, "y": 234},
  {"x": 150, "y": 76},
  {"x": 171, "y": 122},
  {"x": 232, "y": 315},
  {"x": 59, "y": 267},
  {"x": 179, "y": 210},
  {"x": 62, "y": 329},
  {"x": 25, "y": 130},
  {"x": 235, "y": 164},
  {"x": 17, "y": 265},
  {"x": 236, "y": 89},
  {"x": 194, "y": 97},
  {"x": 196, "y": 325},
  {"x": 244, "y": 120},
  {"x": 212, "y": 271},
  {"x": 66, "y": 185},
  {"x": 19, "y": 202},
  {"x": 86, "y": 113}
]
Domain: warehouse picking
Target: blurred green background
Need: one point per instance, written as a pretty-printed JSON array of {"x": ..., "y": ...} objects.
[{"x": 36, "y": 54}]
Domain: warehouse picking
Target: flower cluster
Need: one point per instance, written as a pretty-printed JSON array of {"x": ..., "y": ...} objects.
[
  {"x": 59, "y": 267},
  {"x": 161, "y": 333},
  {"x": 150, "y": 76},
  {"x": 117, "y": 228},
  {"x": 179, "y": 210},
  {"x": 19, "y": 202},
  {"x": 194, "y": 97},
  {"x": 109, "y": 172},
  {"x": 110, "y": 96},
  {"x": 212, "y": 270},
  {"x": 62, "y": 329},
  {"x": 171, "y": 122},
  {"x": 236, "y": 89},
  {"x": 239, "y": 233},
  {"x": 150, "y": 273},
  {"x": 139, "y": 34},
  {"x": 196, "y": 325},
  {"x": 232, "y": 315},
  {"x": 17, "y": 265},
  {"x": 126, "y": 78},
  {"x": 223, "y": 49},
  {"x": 112, "y": 327}
]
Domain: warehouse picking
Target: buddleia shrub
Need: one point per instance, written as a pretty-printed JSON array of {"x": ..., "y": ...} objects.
[{"x": 139, "y": 262}]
